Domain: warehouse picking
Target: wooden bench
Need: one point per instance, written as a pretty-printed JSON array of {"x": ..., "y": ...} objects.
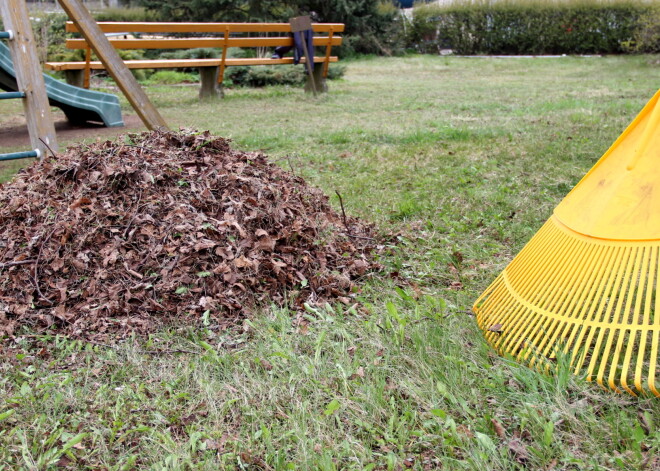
[{"x": 215, "y": 35}]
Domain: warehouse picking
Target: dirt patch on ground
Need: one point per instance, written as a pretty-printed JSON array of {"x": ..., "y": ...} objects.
[
  {"x": 15, "y": 134},
  {"x": 122, "y": 236}
]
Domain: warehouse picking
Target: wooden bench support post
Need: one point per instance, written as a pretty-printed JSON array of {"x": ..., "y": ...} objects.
[
  {"x": 209, "y": 83},
  {"x": 75, "y": 77},
  {"x": 328, "y": 50},
  {"x": 223, "y": 60},
  {"x": 88, "y": 70}
]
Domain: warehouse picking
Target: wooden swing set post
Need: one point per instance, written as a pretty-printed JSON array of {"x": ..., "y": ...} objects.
[{"x": 29, "y": 77}]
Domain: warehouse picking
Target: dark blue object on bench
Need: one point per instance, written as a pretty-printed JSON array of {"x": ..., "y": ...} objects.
[{"x": 298, "y": 49}]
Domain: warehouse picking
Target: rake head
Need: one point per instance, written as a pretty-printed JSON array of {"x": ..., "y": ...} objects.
[{"x": 588, "y": 283}]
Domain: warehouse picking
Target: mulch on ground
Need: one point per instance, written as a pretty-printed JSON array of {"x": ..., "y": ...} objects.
[{"x": 123, "y": 237}]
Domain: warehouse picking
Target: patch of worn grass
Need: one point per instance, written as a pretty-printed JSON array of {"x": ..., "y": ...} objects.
[
  {"x": 463, "y": 160},
  {"x": 338, "y": 391}
]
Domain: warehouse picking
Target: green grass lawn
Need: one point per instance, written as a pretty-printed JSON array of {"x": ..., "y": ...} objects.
[{"x": 462, "y": 160}]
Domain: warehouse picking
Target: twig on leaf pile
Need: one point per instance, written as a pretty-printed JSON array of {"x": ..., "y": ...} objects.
[
  {"x": 343, "y": 212},
  {"x": 51, "y": 150},
  {"x": 359, "y": 237},
  {"x": 290, "y": 165},
  {"x": 137, "y": 207},
  {"x": 343, "y": 217},
  {"x": 148, "y": 352},
  {"x": 16, "y": 263},
  {"x": 36, "y": 266}
]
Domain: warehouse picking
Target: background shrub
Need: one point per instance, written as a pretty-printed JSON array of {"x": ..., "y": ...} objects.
[
  {"x": 50, "y": 35},
  {"x": 262, "y": 76},
  {"x": 171, "y": 77},
  {"x": 136, "y": 14},
  {"x": 196, "y": 53},
  {"x": 530, "y": 27},
  {"x": 647, "y": 34},
  {"x": 372, "y": 26}
]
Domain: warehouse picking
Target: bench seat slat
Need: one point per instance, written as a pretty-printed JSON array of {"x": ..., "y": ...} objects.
[
  {"x": 164, "y": 27},
  {"x": 179, "y": 63},
  {"x": 191, "y": 43}
]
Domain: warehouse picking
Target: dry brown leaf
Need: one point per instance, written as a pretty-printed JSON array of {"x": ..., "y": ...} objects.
[
  {"x": 359, "y": 373},
  {"x": 80, "y": 202},
  {"x": 495, "y": 328},
  {"x": 499, "y": 429},
  {"x": 456, "y": 285},
  {"x": 242, "y": 262},
  {"x": 518, "y": 450}
]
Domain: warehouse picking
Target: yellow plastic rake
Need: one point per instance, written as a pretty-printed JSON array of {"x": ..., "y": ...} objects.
[{"x": 588, "y": 283}]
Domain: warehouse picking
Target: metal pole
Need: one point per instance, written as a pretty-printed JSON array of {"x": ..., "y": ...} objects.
[
  {"x": 21, "y": 155},
  {"x": 11, "y": 95}
]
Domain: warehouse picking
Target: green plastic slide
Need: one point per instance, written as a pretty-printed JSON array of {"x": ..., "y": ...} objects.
[{"x": 79, "y": 105}]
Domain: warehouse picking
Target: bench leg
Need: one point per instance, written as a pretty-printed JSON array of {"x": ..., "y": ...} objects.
[
  {"x": 75, "y": 77},
  {"x": 209, "y": 86},
  {"x": 319, "y": 80}
]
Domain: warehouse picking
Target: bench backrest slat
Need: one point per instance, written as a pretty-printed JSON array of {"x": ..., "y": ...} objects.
[
  {"x": 153, "y": 27},
  {"x": 190, "y": 43}
]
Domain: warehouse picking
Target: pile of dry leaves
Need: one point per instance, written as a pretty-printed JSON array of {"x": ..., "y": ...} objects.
[{"x": 114, "y": 238}]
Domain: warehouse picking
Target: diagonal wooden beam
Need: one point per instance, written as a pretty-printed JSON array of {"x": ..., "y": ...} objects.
[{"x": 113, "y": 64}]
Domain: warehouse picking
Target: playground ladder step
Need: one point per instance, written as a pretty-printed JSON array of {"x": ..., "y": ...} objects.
[{"x": 29, "y": 154}]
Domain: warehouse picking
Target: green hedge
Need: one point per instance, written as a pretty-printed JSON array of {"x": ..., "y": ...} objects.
[
  {"x": 526, "y": 27},
  {"x": 275, "y": 75}
]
